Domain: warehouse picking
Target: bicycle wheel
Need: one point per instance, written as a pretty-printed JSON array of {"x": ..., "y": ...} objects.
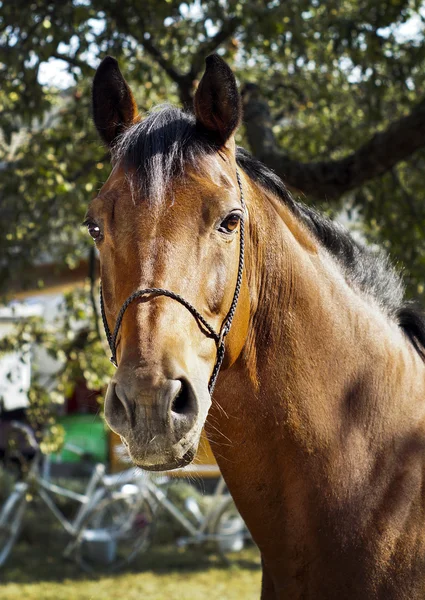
[
  {"x": 114, "y": 532},
  {"x": 11, "y": 520},
  {"x": 228, "y": 529}
]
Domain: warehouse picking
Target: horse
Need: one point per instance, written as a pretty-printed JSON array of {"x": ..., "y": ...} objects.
[{"x": 214, "y": 278}]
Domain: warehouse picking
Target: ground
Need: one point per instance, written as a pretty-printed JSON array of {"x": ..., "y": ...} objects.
[
  {"x": 36, "y": 570},
  {"x": 161, "y": 574}
]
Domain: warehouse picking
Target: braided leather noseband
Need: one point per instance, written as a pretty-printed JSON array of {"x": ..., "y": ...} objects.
[{"x": 219, "y": 338}]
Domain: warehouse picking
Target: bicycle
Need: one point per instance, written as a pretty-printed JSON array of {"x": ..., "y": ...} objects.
[
  {"x": 115, "y": 543},
  {"x": 220, "y": 526},
  {"x": 115, "y": 521}
]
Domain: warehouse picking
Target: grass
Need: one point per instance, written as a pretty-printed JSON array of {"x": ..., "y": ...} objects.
[{"x": 36, "y": 570}]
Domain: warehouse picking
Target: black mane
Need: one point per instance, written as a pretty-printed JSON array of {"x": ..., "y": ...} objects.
[{"x": 158, "y": 149}]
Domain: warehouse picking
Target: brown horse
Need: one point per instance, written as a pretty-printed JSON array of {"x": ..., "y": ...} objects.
[{"x": 318, "y": 416}]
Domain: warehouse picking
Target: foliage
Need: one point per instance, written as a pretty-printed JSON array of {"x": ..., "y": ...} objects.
[
  {"x": 77, "y": 349},
  {"x": 334, "y": 73}
]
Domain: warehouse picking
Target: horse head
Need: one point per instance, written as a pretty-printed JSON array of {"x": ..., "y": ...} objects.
[{"x": 167, "y": 225}]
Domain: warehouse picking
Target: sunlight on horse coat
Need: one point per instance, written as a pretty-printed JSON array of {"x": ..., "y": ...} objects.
[{"x": 317, "y": 420}]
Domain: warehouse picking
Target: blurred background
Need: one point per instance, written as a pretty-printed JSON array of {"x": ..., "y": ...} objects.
[{"x": 333, "y": 96}]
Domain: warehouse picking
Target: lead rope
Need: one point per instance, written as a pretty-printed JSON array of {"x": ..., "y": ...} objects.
[{"x": 219, "y": 338}]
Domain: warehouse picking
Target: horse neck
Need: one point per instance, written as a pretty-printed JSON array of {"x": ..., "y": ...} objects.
[
  {"x": 321, "y": 363},
  {"x": 312, "y": 335}
]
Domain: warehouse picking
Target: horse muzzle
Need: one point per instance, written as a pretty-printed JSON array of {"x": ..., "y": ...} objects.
[{"x": 159, "y": 422}]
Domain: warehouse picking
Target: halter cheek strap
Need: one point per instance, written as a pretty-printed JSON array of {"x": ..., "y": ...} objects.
[{"x": 208, "y": 330}]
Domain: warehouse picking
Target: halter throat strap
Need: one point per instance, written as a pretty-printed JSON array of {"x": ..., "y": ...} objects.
[{"x": 207, "y": 329}]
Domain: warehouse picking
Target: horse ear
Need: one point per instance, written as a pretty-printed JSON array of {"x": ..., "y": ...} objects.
[
  {"x": 114, "y": 107},
  {"x": 217, "y": 102}
]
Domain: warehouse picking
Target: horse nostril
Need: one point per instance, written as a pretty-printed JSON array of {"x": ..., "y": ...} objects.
[
  {"x": 118, "y": 411},
  {"x": 183, "y": 402}
]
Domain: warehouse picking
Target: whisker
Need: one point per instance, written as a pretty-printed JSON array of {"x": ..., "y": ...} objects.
[{"x": 210, "y": 424}]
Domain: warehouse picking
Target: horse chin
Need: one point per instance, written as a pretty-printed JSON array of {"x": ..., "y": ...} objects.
[
  {"x": 175, "y": 458},
  {"x": 178, "y": 463}
]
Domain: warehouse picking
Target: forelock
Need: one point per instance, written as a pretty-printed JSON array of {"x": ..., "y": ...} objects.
[{"x": 156, "y": 151}]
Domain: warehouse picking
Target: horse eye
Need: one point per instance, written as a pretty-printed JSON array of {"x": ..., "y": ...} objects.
[
  {"x": 230, "y": 223},
  {"x": 94, "y": 230}
]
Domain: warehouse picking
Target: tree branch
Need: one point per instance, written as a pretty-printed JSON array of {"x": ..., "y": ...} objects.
[
  {"x": 330, "y": 179},
  {"x": 161, "y": 60},
  {"x": 185, "y": 81},
  {"x": 71, "y": 60},
  {"x": 210, "y": 45},
  {"x": 143, "y": 37}
]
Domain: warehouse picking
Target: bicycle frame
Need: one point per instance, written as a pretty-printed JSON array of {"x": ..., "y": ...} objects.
[
  {"x": 102, "y": 488},
  {"x": 38, "y": 482},
  {"x": 86, "y": 500},
  {"x": 198, "y": 534},
  {"x": 156, "y": 497}
]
